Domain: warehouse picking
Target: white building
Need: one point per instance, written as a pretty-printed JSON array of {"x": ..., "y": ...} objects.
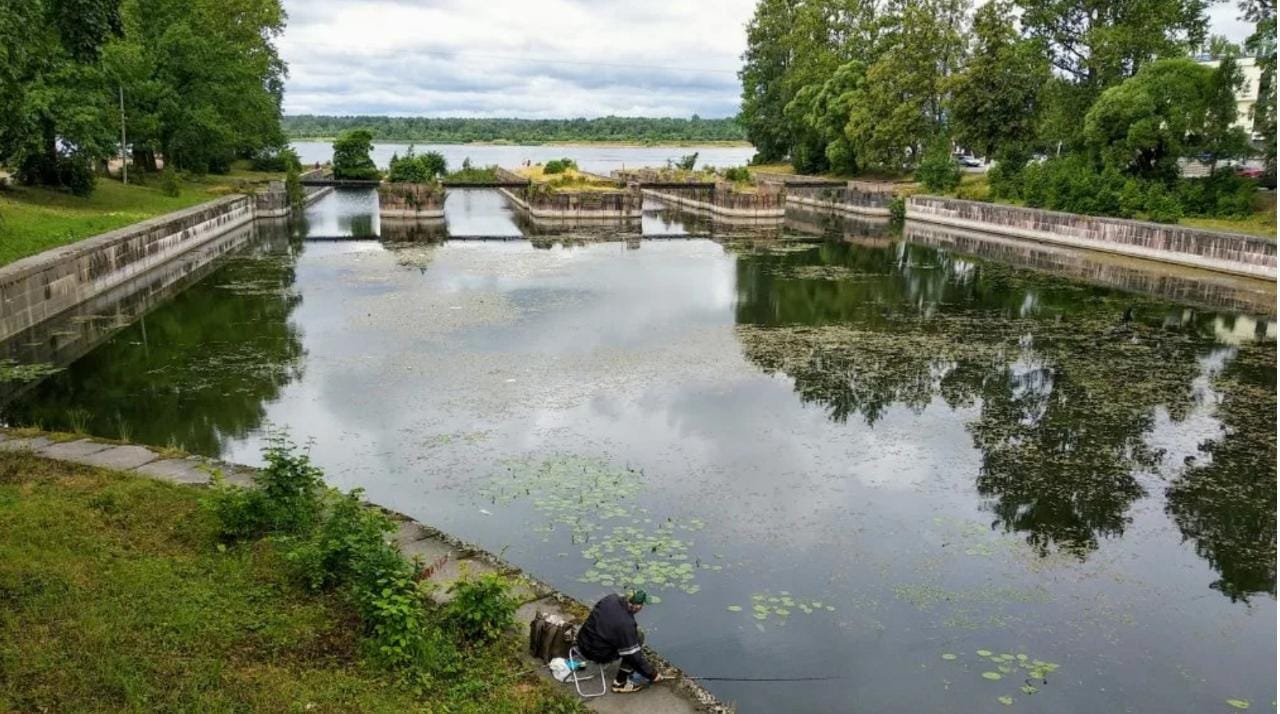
[{"x": 1247, "y": 94}]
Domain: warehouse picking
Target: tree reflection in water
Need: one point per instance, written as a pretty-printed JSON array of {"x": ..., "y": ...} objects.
[{"x": 1067, "y": 381}]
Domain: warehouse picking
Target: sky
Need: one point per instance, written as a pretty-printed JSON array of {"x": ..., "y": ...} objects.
[{"x": 528, "y": 58}]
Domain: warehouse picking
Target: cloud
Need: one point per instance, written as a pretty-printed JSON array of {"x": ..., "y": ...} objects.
[
  {"x": 528, "y": 58},
  {"x": 544, "y": 58}
]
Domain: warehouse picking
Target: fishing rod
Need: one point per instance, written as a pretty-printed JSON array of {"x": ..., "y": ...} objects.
[{"x": 760, "y": 679}]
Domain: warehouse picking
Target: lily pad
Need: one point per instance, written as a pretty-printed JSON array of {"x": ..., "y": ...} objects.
[
  {"x": 1028, "y": 689},
  {"x": 1007, "y": 701},
  {"x": 992, "y": 676},
  {"x": 1239, "y": 703},
  {"x": 734, "y": 608},
  {"x": 948, "y": 656},
  {"x": 984, "y": 653}
]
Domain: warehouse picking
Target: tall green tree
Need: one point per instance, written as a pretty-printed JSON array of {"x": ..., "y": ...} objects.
[
  {"x": 766, "y": 61},
  {"x": 1146, "y": 123},
  {"x": 351, "y": 156},
  {"x": 1262, "y": 45},
  {"x": 52, "y": 94},
  {"x": 1222, "y": 138},
  {"x": 995, "y": 102},
  {"x": 900, "y": 106}
]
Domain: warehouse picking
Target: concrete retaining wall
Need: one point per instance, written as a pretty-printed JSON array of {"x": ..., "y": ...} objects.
[
  {"x": 767, "y": 201},
  {"x": 411, "y": 200},
  {"x": 1234, "y": 253},
  {"x": 857, "y": 197},
  {"x": 39, "y": 287}
]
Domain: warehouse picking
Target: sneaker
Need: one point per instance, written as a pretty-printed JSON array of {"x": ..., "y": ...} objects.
[{"x": 627, "y": 688}]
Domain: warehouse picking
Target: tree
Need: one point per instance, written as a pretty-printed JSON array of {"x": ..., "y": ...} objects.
[
  {"x": 1262, "y": 45},
  {"x": 939, "y": 170},
  {"x": 1222, "y": 138},
  {"x": 995, "y": 102},
  {"x": 411, "y": 168},
  {"x": 52, "y": 94},
  {"x": 765, "y": 63},
  {"x": 351, "y": 156},
  {"x": 1148, "y": 122},
  {"x": 900, "y": 105},
  {"x": 822, "y": 112}
]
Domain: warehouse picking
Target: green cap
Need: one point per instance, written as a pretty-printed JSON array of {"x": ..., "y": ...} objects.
[{"x": 638, "y": 597}]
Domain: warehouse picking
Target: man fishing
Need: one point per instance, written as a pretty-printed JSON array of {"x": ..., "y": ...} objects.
[{"x": 610, "y": 632}]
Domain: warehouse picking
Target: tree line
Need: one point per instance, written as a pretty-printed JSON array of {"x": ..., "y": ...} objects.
[
  {"x": 852, "y": 86},
  {"x": 198, "y": 83},
  {"x": 459, "y": 130}
]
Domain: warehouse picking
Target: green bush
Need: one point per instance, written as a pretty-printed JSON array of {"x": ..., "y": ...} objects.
[
  {"x": 938, "y": 169},
  {"x": 351, "y": 156},
  {"x": 897, "y": 209},
  {"x": 737, "y": 174},
  {"x": 287, "y": 499},
  {"x": 411, "y": 168},
  {"x": 686, "y": 162},
  {"x": 278, "y": 159},
  {"x": 293, "y": 188},
  {"x": 1162, "y": 205},
  {"x": 482, "y": 607},
  {"x": 169, "y": 183},
  {"x": 348, "y": 544},
  {"x": 559, "y": 166}
]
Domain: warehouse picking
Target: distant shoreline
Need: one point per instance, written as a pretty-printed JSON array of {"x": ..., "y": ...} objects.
[{"x": 618, "y": 144}]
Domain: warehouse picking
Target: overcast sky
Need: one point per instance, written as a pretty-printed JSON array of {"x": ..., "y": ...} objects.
[{"x": 527, "y": 58}]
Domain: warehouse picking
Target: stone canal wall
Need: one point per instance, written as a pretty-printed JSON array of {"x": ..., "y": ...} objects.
[
  {"x": 542, "y": 201},
  {"x": 410, "y": 200},
  {"x": 452, "y": 558},
  {"x": 858, "y": 197},
  {"x": 1235, "y": 253},
  {"x": 768, "y": 200},
  {"x": 41, "y": 286}
]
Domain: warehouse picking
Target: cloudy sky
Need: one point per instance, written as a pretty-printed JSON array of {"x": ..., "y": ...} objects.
[{"x": 526, "y": 58}]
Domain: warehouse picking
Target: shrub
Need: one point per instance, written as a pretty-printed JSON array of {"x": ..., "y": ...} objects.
[
  {"x": 351, "y": 156},
  {"x": 1004, "y": 177},
  {"x": 1162, "y": 206},
  {"x": 482, "y": 607},
  {"x": 411, "y": 168},
  {"x": 349, "y": 543},
  {"x": 737, "y": 174},
  {"x": 169, "y": 184},
  {"x": 278, "y": 159},
  {"x": 897, "y": 209},
  {"x": 938, "y": 169},
  {"x": 686, "y": 162},
  {"x": 287, "y": 500},
  {"x": 559, "y": 166}
]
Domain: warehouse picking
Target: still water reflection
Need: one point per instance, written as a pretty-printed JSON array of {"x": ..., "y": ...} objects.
[{"x": 866, "y": 457}]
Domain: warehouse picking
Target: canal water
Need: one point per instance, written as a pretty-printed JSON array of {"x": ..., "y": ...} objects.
[{"x": 944, "y": 481}]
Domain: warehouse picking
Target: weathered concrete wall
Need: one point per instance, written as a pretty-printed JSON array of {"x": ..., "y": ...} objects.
[
  {"x": 411, "y": 200},
  {"x": 41, "y": 286},
  {"x": 858, "y": 197},
  {"x": 1225, "y": 252},
  {"x": 768, "y": 201}
]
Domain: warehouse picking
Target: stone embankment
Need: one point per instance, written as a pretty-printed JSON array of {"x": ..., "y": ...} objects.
[
  {"x": 1235, "y": 253},
  {"x": 542, "y": 201},
  {"x": 411, "y": 200},
  {"x": 864, "y": 198},
  {"x": 449, "y": 557},
  {"x": 41, "y": 286}
]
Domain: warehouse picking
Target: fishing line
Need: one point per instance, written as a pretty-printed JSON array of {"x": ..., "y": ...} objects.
[{"x": 762, "y": 679}]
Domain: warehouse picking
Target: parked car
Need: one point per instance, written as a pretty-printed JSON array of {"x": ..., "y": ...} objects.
[
  {"x": 970, "y": 161},
  {"x": 1249, "y": 172}
]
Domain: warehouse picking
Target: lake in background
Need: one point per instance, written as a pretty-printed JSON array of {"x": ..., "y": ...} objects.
[{"x": 938, "y": 478}]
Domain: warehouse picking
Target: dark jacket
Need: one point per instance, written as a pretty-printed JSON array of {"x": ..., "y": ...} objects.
[{"x": 610, "y": 632}]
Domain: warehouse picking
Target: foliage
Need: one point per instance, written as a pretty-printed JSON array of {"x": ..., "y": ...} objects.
[
  {"x": 938, "y": 169},
  {"x": 276, "y": 159},
  {"x": 286, "y": 499},
  {"x": 684, "y": 163},
  {"x": 351, "y": 158},
  {"x": 169, "y": 184},
  {"x": 994, "y": 102},
  {"x": 293, "y": 188},
  {"x": 482, "y": 607},
  {"x": 461, "y": 130},
  {"x": 559, "y": 166},
  {"x": 473, "y": 174},
  {"x": 897, "y": 209},
  {"x": 737, "y": 174},
  {"x": 1261, "y": 43},
  {"x": 412, "y": 168},
  {"x": 347, "y": 540}
]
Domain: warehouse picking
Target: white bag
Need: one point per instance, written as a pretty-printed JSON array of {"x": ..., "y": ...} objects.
[{"x": 560, "y": 669}]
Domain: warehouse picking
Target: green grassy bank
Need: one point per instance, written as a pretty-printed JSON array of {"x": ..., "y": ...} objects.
[
  {"x": 36, "y": 219},
  {"x": 117, "y": 595}
]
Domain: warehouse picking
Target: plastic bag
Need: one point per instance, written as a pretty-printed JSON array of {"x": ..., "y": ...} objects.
[{"x": 560, "y": 669}]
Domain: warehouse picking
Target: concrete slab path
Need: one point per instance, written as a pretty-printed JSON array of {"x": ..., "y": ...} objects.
[{"x": 450, "y": 560}]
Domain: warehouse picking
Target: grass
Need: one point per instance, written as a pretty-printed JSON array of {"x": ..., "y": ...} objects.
[
  {"x": 568, "y": 180},
  {"x": 114, "y": 596},
  {"x": 34, "y": 219}
]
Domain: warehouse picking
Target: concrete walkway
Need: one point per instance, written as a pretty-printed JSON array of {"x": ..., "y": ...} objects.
[{"x": 450, "y": 558}]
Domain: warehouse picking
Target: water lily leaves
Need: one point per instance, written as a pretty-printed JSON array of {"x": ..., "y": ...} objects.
[
  {"x": 1007, "y": 701},
  {"x": 762, "y": 616},
  {"x": 993, "y": 676},
  {"x": 1028, "y": 689},
  {"x": 1238, "y": 703},
  {"x": 734, "y": 608},
  {"x": 948, "y": 656},
  {"x": 984, "y": 653}
]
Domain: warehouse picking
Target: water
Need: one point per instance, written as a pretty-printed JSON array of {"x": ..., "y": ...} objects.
[
  {"x": 913, "y": 451},
  {"x": 595, "y": 158}
]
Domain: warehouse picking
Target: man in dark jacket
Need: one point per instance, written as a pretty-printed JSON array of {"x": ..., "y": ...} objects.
[{"x": 610, "y": 632}]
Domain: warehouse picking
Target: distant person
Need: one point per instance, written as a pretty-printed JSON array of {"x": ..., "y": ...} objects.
[{"x": 610, "y": 632}]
